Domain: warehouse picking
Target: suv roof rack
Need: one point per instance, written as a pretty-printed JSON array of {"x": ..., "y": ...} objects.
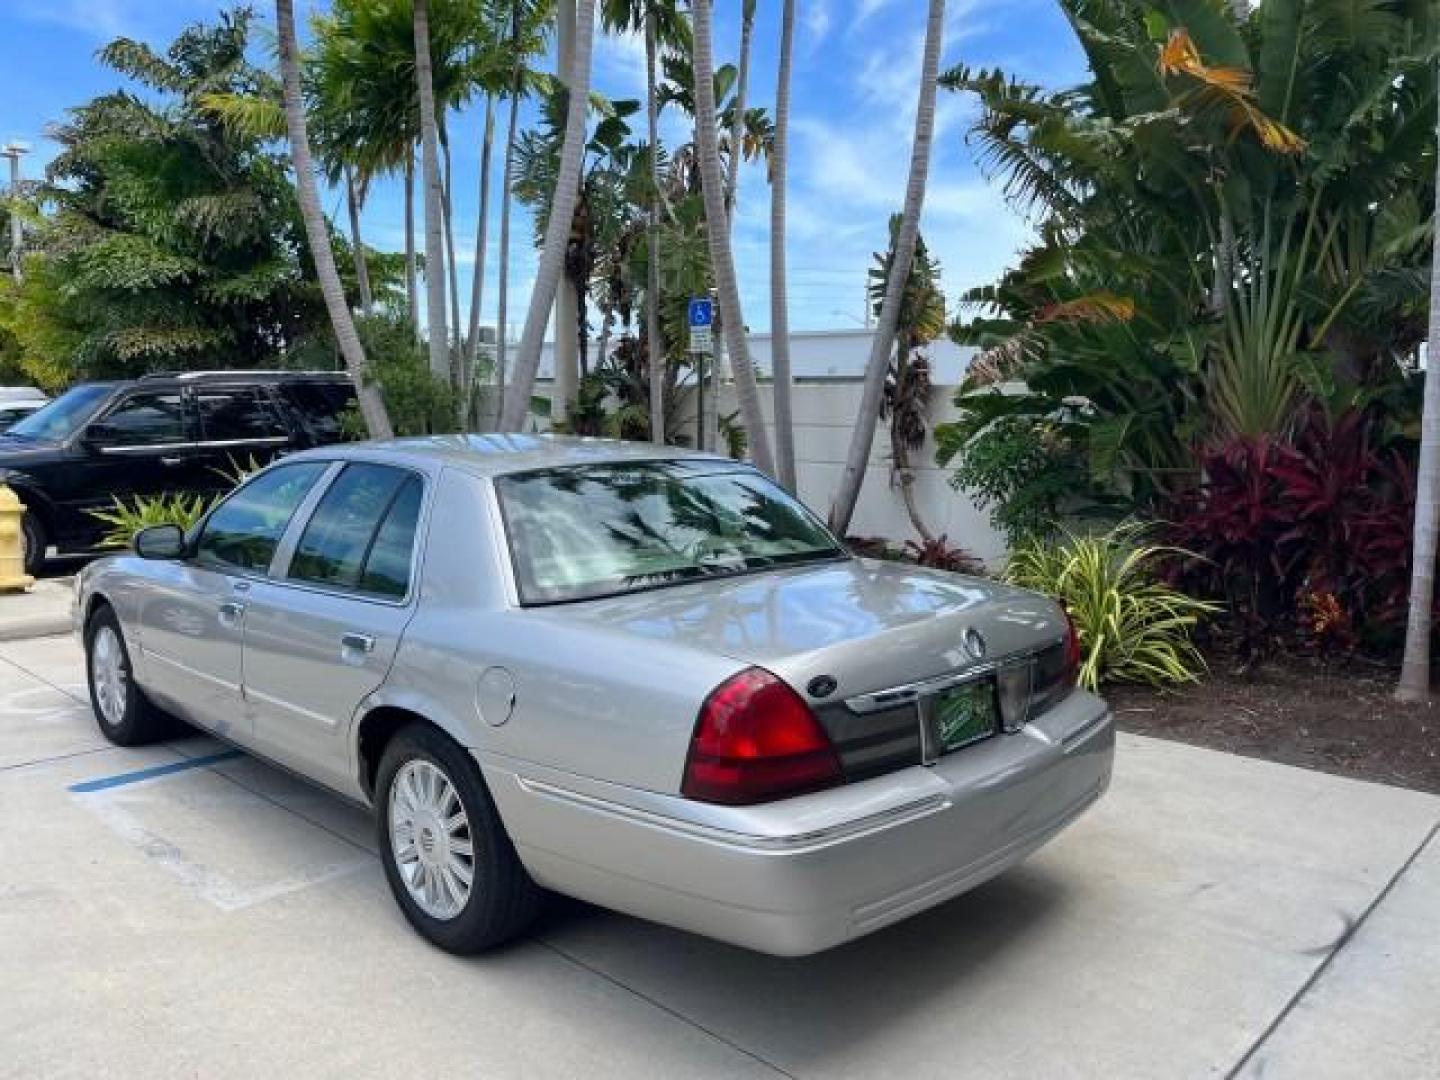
[{"x": 269, "y": 373}]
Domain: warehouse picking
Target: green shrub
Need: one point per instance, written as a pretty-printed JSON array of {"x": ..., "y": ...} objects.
[
  {"x": 126, "y": 519},
  {"x": 1132, "y": 626}
]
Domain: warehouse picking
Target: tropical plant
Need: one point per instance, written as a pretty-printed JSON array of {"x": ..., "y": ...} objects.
[
  {"x": 779, "y": 286},
  {"x": 718, "y": 230},
  {"x": 1415, "y": 672},
  {"x": 418, "y": 401},
  {"x": 557, "y": 233},
  {"x": 372, "y": 407},
  {"x": 172, "y": 241},
  {"x": 908, "y": 233},
  {"x": 1132, "y": 626},
  {"x": 1280, "y": 526},
  {"x": 434, "y": 197},
  {"x": 1231, "y": 220},
  {"x": 906, "y": 400},
  {"x": 125, "y": 519}
]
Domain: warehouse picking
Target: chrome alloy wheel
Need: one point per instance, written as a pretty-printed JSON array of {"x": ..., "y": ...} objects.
[
  {"x": 107, "y": 674},
  {"x": 430, "y": 839}
]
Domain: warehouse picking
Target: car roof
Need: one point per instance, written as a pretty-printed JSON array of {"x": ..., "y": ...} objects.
[
  {"x": 495, "y": 455},
  {"x": 189, "y": 377}
]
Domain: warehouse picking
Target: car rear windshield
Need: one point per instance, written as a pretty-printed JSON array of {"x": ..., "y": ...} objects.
[{"x": 598, "y": 530}]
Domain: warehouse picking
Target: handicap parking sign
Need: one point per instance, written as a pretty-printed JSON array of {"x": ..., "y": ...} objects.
[{"x": 702, "y": 313}]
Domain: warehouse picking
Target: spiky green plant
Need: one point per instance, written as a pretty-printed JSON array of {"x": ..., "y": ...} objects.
[
  {"x": 1132, "y": 626},
  {"x": 126, "y": 519}
]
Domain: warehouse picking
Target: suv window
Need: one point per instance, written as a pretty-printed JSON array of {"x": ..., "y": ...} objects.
[
  {"x": 232, "y": 413},
  {"x": 322, "y": 404},
  {"x": 243, "y": 532},
  {"x": 145, "y": 420},
  {"x": 361, "y": 533}
]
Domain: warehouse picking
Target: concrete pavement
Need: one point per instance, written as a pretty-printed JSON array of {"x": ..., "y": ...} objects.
[
  {"x": 1211, "y": 914},
  {"x": 42, "y": 609}
]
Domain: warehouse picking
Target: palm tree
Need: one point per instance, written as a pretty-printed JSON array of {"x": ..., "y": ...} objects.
[
  {"x": 659, "y": 21},
  {"x": 1415, "y": 670},
  {"x": 557, "y": 231},
  {"x": 477, "y": 285},
  {"x": 372, "y": 408},
  {"x": 779, "y": 298},
  {"x": 433, "y": 198},
  {"x": 871, "y": 398},
  {"x": 737, "y": 118},
  {"x": 717, "y": 226},
  {"x": 655, "y": 343}
]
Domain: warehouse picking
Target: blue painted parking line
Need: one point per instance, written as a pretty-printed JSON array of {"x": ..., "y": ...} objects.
[{"x": 139, "y": 775}]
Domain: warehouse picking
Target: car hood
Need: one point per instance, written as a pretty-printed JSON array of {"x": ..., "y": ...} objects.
[
  {"x": 868, "y": 624},
  {"x": 16, "y": 452}
]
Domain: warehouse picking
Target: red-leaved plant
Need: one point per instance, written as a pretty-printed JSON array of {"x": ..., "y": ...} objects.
[{"x": 1311, "y": 534}]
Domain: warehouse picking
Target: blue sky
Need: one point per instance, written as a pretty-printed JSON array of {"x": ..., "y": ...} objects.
[{"x": 856, "y": 71}]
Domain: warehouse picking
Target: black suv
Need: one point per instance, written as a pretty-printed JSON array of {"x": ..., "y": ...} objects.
[{"x": 161, "y": 434}]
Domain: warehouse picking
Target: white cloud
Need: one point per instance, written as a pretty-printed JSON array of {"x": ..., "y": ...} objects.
[{"x": 110, "y": 18}]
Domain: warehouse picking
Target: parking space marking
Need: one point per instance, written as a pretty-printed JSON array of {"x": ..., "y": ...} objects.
[
  {"x": 207, "y": 883},
  {"x": 104, "y": 783}
]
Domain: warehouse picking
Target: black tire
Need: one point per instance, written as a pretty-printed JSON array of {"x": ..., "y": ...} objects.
[
  {"x": 503, "y": 899},
  {"x": 139, "y": 722},
  {"x": 35, "y": 539}
]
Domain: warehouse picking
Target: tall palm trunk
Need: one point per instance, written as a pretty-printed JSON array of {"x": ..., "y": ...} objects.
[
  {"x": 430, "y": 175},
  {"x": 569, "y": 329},
  {"x": 1415, "y": 670},
  {"x": 779, "y": 295},
  {"x": 362, "y": 270},
  {"x": 655, "y": 343},
  {"x": 452, "y": 268},
  {"x": 412, "y": 303},
  {"x": 477, "y": 284},
  {"x": 737, "y": 122},
  {"x": 317, "y": 232},
  {"x": 557, "y": 229},
  {"x": 712, "y": 183},
  {"x": 863, "y": 435},
  {"x": 507, "y": 179}
]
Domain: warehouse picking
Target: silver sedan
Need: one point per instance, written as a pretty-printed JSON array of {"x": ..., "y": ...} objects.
[{"x": 641, "y": 676}]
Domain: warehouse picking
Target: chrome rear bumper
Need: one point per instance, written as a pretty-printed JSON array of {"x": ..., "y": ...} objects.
[{"x": 804, "y": 874}]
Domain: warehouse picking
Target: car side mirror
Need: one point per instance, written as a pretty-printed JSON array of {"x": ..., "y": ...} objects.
[{"x": 160, "y": 542}]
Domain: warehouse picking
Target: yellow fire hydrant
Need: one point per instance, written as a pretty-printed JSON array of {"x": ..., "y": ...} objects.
[{"x": 12, "y": 543}]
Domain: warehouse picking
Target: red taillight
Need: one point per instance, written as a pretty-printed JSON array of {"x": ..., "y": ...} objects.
[
  {"x": 757, "y": 740},
  {"x": 1072, "y": 651}
]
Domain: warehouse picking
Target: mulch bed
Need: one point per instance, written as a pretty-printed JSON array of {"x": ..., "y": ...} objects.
[{"x": 1338, "y": 717}]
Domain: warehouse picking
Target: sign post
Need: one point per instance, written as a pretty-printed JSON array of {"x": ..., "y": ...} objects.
[{"x": 701, "y": 319}]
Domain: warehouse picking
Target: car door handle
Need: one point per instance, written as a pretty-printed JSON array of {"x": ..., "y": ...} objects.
[
  {"x": 230, "y": 612},
  {"x": 355, "y": 642},
  {"x": 170, "y": 462}
]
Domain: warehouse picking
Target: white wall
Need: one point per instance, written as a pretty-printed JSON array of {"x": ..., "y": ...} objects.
[{"x": 824, "y": 413}]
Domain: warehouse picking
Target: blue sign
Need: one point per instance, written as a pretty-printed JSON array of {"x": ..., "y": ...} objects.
[{"x": 702, "y": 313}]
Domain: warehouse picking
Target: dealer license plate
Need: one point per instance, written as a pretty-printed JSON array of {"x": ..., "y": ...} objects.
[{"x": 964, "y": 714}]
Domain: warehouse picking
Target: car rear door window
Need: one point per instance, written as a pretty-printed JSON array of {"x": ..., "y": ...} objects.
[
  {"x": 387, "y": 569},
  {"x": 350, "y": 521},
  {"x": 243, "y": 532},
  {"x": 145, "y": 420},
  {"x": 323, "y": 406},
  {"x": 239, "y": 414}
]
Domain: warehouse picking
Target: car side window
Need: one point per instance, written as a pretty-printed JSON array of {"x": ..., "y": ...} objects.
[
  {"x": 229, "y": 414},
  {"x": 145, "y": 420},
  {"x": 387, "y": 569},
  {"x": 347, "y": 526},
  {"x": 323, "y": 405},
  {"x": 243, "y": 532}
]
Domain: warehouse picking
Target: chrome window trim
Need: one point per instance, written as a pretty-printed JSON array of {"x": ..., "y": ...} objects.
[
  {"x": 145, "y": 448},
  {"x": 227, "y": 444},
  {"x": 909, "y": 693},
  {"x": 290, "y": 540}
]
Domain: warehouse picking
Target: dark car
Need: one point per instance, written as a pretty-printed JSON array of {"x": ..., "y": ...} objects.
[{"x": 162, "y": 434}]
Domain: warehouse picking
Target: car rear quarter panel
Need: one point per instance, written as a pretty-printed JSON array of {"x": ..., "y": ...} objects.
[{"x": 588, "y": 701}]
